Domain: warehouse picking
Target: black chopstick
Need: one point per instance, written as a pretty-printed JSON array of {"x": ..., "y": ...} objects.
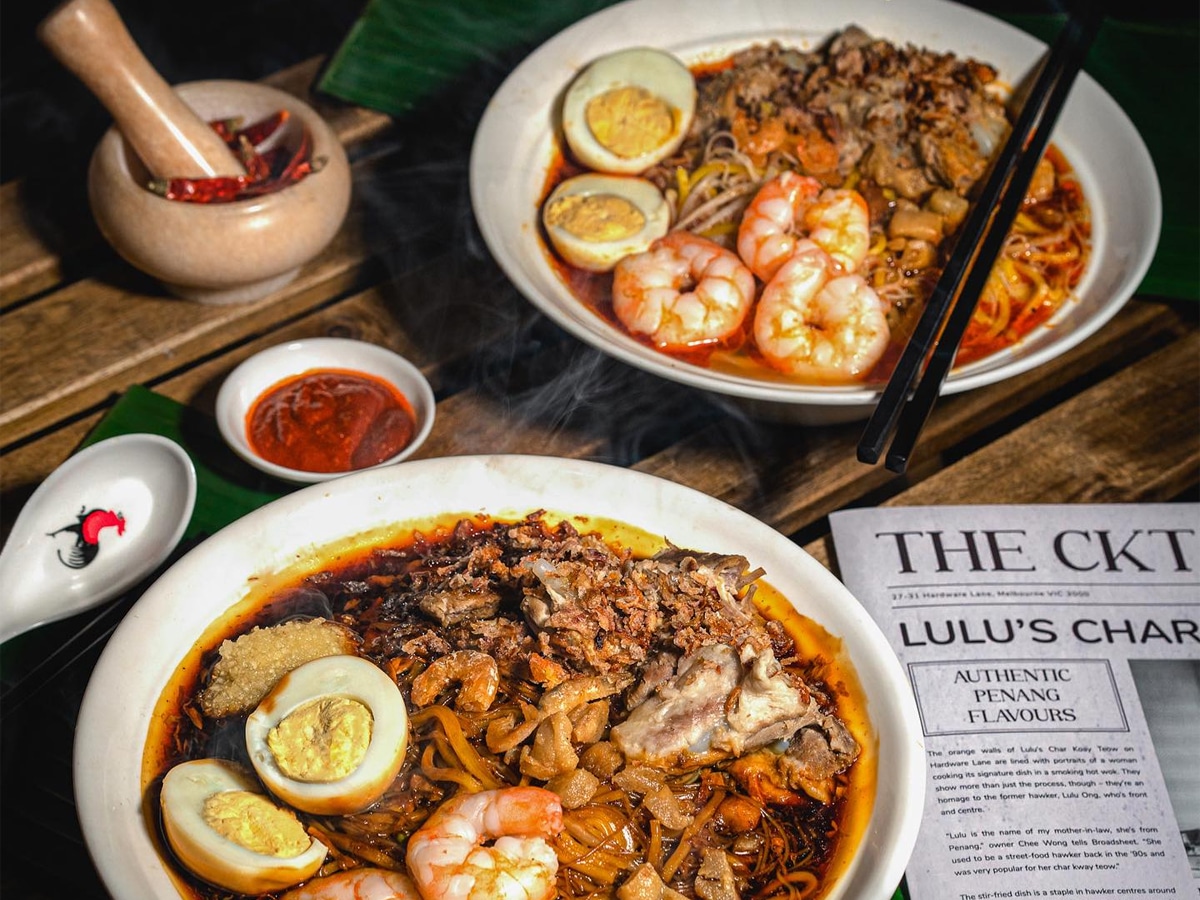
[{"x": 975, "y": 251}]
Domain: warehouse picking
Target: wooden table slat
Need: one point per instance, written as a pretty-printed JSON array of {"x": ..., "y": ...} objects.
[{"x": 1132, "y": 438}]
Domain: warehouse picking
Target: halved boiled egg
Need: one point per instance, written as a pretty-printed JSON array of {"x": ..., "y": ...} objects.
[
  {"x": 629, "y": 110},
  {"x": 330, "y": 737},
  {"x": 224, "y": 829},
  {"x": 595, "y": 220}
]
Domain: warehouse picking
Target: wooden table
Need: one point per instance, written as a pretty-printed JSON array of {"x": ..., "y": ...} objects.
[{"x": 1114, "y": 420}]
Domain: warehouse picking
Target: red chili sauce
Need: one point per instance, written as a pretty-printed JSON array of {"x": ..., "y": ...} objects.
[{"x": 330, "y": 420}]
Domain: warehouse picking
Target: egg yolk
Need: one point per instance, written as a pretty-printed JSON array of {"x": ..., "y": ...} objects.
[
  {"x": 596, "y": 217},
  {"x": 323, "y": 740},
  {"x": 254, "y": 822},
  {"x": 629, "y": 121}
]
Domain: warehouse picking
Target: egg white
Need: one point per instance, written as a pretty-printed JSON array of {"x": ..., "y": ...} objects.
[
  {"x": 656, "y": 71},
  {"x": 338, "y": 676},
  {"x": 212, "y": 856},
  {"x": 601, "y": 255}
]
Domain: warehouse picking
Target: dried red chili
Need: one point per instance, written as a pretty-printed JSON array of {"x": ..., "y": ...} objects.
[
  {"x": 226, "y": 128},
  {"x": 330, "y": 420},
  {"x": 201, "y": 190},
  {"x": 266, "y": 171},
  {"x": 260, "y": 131},
  {"x": 256, "y": 165}
]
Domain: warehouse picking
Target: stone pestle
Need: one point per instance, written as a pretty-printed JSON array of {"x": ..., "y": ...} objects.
[{"x": 89, "y": 38}]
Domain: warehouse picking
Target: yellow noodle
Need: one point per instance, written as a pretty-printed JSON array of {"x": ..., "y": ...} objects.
[
  {"x": 719, "y": 230},
  {"x": 654, "y": 852},
  {"x": 1001, "y": 315},
  {"x": 595, "y": 823},
  {"x": 1060, "y": 257},
  {"x": 363, "y": 850},
  {"x": 722, "y": 166},
  {"x": 434, "y": 772},
  {"x": 467, "y": 755},
  {"x": 1025, "y": 222},
  {"x": 592, "y": 871},
  {"x": 582, "y": 858},
  {"x": 1041, "y": 288},
  {"x": 683, "y": 183},
  {"x": 798, "y": 885},
  {"x": 609, "y": 796}
]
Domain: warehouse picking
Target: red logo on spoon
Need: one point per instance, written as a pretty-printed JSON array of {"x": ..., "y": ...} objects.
[{"x": 87, "y": 535}]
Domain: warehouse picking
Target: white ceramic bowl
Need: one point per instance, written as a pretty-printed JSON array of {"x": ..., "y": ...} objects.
[
  {"x": 515, "y": 144},
  {"x": 162, "y": 628},
  {"x": 255, "y": 375}
]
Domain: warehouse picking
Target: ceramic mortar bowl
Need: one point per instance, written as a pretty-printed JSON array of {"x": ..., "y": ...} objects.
[{"x": 220, "y": 253}]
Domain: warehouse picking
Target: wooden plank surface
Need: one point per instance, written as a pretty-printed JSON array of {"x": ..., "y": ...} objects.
[
  {"x": 92, "y": 338},
  {"x": 32, "y": 253},
  {"x": 84, "y": 344},
  {"x": 789, "y": 476},
  {"x": 1131, "y": 438},
  {"x": 1134, "y": 437}
]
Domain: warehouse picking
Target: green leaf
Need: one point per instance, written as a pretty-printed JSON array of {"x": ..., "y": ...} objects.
[{"x": 402, "y": 52}]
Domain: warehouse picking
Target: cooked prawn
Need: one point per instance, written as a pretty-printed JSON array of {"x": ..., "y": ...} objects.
[
  {"x": 364, "y": 883},
  {"x": 840, "y": 224},
  {"x": 767, "y": 235},
  {"x": 789, "y": 208},
  {"x": 813, "y": 322},
  {"x": 474, "y": 672},
  {"x": 683, "y": 292},
  {"x": 448, "y": 859}
]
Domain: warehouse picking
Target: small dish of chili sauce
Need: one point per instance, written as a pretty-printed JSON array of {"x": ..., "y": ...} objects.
[{"x": 320, "y": 408}]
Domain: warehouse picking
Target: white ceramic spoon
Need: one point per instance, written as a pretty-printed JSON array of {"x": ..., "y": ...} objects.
[{"x": 102, "y": 521}]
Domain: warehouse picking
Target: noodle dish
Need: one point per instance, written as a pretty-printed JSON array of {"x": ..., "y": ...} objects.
[
  {"x": 504, "y": 691},
  {"x": 767, "y": 215}
]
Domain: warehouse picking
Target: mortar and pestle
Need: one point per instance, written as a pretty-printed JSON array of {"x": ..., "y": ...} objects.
[{"x": 215, "y": 253}]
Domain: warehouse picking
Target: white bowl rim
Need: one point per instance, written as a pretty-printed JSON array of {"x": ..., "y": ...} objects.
[
  {"x": 237, "y": 392},
  {"x": 162, "y": 626}
]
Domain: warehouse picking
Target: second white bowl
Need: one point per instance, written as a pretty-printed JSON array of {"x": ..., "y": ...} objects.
[{"x": 246, "y": 383}]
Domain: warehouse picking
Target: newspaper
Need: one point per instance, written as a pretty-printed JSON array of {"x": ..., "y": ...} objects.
[{"x": 1054, "y": 654}]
